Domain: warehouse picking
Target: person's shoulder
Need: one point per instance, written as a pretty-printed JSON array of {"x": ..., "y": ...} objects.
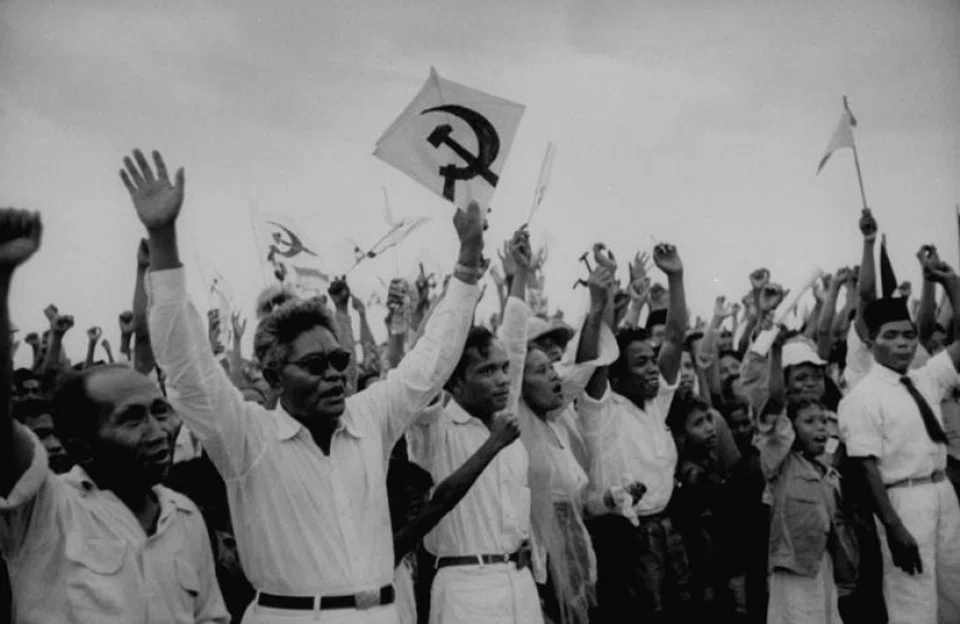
[{"x": 180, "y": 502}]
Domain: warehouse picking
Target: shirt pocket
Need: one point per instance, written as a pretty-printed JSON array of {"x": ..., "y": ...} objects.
[
  {"x": 806, "y": 517},
  {"x": 95, "y": 580}
]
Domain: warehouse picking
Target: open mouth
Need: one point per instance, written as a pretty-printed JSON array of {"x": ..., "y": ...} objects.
[
  {"x": 337, "y": 392},
  {"x": 558, "y": 388},
  {"x": 160, "y": 457}
]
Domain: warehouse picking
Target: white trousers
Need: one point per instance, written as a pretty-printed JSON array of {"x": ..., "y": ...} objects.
[
  {"x": 796, "y": 599},
  {"x": 932, "y": 515},
  {"x": 489, "y": 594}
]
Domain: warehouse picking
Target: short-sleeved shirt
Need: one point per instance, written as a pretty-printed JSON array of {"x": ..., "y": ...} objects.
[
  {"x": 74, "y": 548},
  {"x": 879, "y": 418},
  {"x": 626, "y": 441}
]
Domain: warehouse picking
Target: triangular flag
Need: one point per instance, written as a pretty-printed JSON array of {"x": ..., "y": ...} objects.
[
  {"x": 888, "y": 280},
  {"x": 545, "y": 170},
  {"x": 842, "y": 134},
  {"x": 285, "y": 255},
  {"x": 452, "y": 139}
]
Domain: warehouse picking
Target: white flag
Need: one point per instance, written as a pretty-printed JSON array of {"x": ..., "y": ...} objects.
[
  {"x": 285, "y": 255},
  {"x": 545, "y": 170},
  {"x": 842, "y": 135},
  {"x": 452, "y": 139}
]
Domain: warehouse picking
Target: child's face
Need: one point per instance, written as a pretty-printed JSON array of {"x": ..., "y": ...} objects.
[
  {"x": 701, "y": 430},
  {"x": 810, "y": 426}
]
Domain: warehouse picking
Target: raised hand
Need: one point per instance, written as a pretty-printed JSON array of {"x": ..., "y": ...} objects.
[
  {"x": 927, "y": 252},
  {"x": 507, "y": 261},
  {"x": 600, "y": 282},
  {"x": 821, "y": 286},
  {"x": 504, "y": 430},
  {"x": 722, "y": 309},
  {"x": 640, "y": 266},
  {"x": 20, "y": 234},
  {"x": 340, "y": 292},
  {"x": 905, "y": 290},
  {"x": 397, "y": 293},
  {"x": 62, "y": 324},
  {"x": 518, "y": 250},
  {"x": 771, "y": 296},
  {"x": 470, "y": 225},
  {"x": 94, "y": 333},
  {"x": 32, "y": 339},
  {"x": 844, "y": 275},
  {"x": 358, "y": 305},
  {"x": 423, "y": 284},
  {"x": 155, "y": 199},
  {"x": 868, "y": 225},
  {"x": 51, "y": 312},
  {"x": 239, "y": 325},
  {"x": 667, "y": 259},
  {"x": 938, "y": 271},
  {"x": 126, "y": 322},
  {"x": 604, "y": 257},
  {"x": 759, "y": 279}
]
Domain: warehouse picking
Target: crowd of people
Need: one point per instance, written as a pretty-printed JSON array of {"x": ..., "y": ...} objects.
[{"x": 636, "y": 467}]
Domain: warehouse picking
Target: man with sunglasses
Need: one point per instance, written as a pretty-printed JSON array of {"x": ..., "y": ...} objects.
[{"x": 306, "y": 482}]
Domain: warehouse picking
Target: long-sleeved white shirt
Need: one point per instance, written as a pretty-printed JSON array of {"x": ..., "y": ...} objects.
[
  {"x": 76, "y": 551},
  {"x": 306, "y": 523},
  {"x": 494, "y": 516}
]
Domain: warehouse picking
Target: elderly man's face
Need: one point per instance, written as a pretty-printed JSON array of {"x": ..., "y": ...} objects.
[{"x": 313, "y": 381}]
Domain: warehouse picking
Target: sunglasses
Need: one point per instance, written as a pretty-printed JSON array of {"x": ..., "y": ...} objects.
[{"x": 317, "y": 364}]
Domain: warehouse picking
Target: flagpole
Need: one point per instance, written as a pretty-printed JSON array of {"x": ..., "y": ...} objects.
[
  {"x": 856, "y": 157},
  {"x": 256, "y": 239}
]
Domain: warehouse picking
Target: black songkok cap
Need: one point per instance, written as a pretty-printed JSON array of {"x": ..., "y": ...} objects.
[
  {"x": 657, "y": 317},
  {"x": 886, "y": 310}
]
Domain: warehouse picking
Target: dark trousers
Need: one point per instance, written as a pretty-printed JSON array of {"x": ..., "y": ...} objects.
[{"x": 642, "y": 572}]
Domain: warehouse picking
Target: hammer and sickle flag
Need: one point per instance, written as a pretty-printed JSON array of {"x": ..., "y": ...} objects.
[
  {"x": 285, "y": 255},
  {"x": 452, "y": 139}
]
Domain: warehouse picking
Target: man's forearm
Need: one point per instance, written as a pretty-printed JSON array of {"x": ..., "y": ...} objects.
[
  {"x": 445, "y": 497},
  {"x": 676, "y": 326},
  {"x": 51, "y": 361},
  {"x": 927, "y": 312},
  {"x": 825, "y": 323},
  {"x": 589, "y": 347},
  {"x": 164, "y": 249},
  {"x": 88, "y": 361},
  {"x": 867, "y": 282},
  {"x": 16, "y": 452},
  {"x": 878, "y": 492}
]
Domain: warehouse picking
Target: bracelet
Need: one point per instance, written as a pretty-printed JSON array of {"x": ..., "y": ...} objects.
[{"x": 477, "y": 272}]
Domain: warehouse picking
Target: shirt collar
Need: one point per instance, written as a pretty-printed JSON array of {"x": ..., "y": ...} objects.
[
  {"x": 460, "y": 415},
  {"x": 169, "y": 500},
  {"x": 886, "y": 375},
  {"x": 288, "y": 426}
]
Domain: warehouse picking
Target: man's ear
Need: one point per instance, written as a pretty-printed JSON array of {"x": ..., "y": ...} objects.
[{"x": 272, "y": 377}]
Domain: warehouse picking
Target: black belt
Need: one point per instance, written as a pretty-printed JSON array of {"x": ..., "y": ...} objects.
[
  {"x": 363, "y": 600},
  {"x": 521, "y": 558}
]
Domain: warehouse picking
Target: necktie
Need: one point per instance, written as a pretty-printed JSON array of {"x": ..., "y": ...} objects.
[{"x": 929, "y": 420}]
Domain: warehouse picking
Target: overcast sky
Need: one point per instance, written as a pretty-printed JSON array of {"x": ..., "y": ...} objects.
[{"x": 700, "y": 123}]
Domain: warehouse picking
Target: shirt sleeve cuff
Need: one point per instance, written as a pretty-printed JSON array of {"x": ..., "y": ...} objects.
[
  {"x": 32, "y": 479},
  {"x": 665, "y": 386},
  {"x": 588, "y": 402},
  {"x": 169, "y": 286},
  {"x": 514, "y": 326},
  {"x": 462, "y": 291}
]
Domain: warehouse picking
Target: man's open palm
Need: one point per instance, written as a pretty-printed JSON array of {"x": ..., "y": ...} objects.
[
  {"x": 156, "y": 200},
  {"x": 20, "y": 233}
]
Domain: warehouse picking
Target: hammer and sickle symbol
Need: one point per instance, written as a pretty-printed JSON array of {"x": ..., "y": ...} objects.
[
  {"x": 293, "y": 244},
  {"x": 488, "y": 146}
]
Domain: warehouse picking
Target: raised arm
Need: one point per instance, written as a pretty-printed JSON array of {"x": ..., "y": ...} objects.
[
  {"x": 867, "y": 282},
  {"x": 513, "y": 331},
  {"x": 93, "y": 336},
  {"x": 940, "y": 272},
  {"x": 126, "y": 334},
  {"x": 927, "y": 312},
  {"x": 235, "y": 354},
  {"x": 503, "y": 431},
  {"x": 828, "y": 311},
  {"x": 143, "y": 357},
  {"x": 53, "y": 360},
  {"x": 210, "y": 405},
  {"x": 20, "y": 233},
  {"x": 420, "y": 376},
  {"x": 601, "y": 284},
  {"x": 340, "y": 295},
  {"x": 668, "y": 260}
]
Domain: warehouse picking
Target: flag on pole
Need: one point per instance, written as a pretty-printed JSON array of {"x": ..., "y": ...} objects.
[
  {"x": 286, "y": 255},
  {"x": 545, "y": 170},
  {"x": 452, "y": 139},
  {"x": 842, "y": 134},
  {"x": 387, "y": 212}
]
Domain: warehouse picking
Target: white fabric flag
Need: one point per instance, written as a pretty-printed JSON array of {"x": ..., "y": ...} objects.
[
  {"x": 452, "y": 139},
  {"x": 545, "y": 170},
  {"x": 842, "y": 135},
  {"x": 286, "y": 256}
]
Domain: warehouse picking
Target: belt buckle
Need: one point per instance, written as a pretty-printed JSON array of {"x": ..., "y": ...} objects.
[{"x": 367, "y": 599}]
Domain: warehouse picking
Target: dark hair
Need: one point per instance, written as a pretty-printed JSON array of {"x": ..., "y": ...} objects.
[
  {"x": 75, "y": 413},
  {"x": 626, "y": 337},
  {"x": 795, "y": 406},
  {"x": 729, "y": 353},
  {"x": 364, "y": 380},
  {"x": 479, "y": 338},
  {"x": 680, "y": 409},
  {"x": 23, "y": 409},
  {"x": 277, "y": 330}
]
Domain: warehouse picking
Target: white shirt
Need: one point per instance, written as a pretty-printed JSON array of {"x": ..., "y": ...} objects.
[
  {"x": 880, "y": 419},
  {"x": 494, "y": 516},
  {"x": 626, "y": 441},
  {"x": 75, "y": 549},
  {"x": 306, "y": 523}
]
